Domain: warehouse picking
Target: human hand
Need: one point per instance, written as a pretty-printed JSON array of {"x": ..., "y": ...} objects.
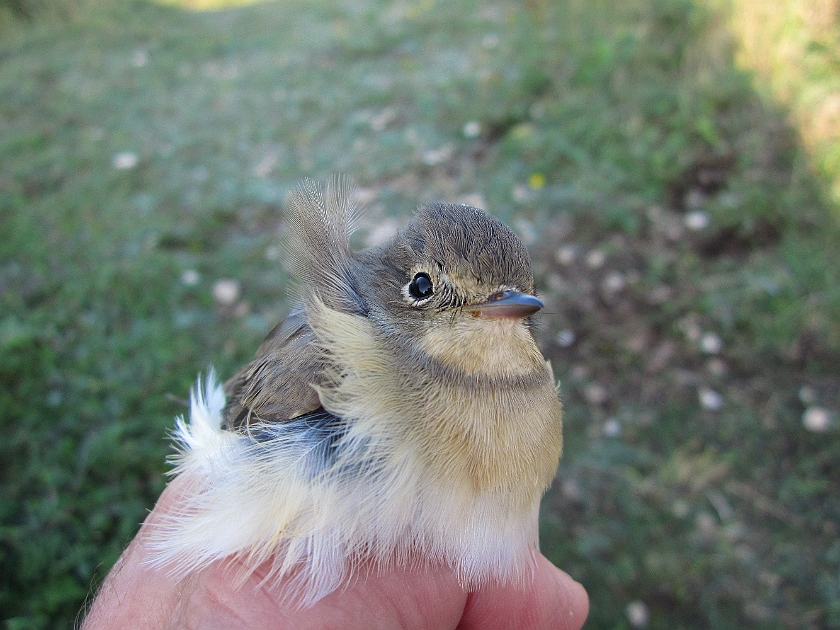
[{"x": 135, "y": 595}]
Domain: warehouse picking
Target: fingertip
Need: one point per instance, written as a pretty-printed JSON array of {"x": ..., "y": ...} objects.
[
  {"x": 571, "y": 596},
  {"x": 550, "y": 599}
]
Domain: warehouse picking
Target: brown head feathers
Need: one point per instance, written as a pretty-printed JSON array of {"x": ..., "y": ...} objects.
[{"x": 466, "y": 254}]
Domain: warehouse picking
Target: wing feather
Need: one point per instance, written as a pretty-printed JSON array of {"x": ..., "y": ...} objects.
[{"x": 277, "y": 385}]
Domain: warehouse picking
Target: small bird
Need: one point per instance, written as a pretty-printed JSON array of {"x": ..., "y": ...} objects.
[{"x": 401, "y": 414}]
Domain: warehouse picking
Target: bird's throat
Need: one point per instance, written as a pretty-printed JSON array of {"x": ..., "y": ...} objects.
[{"x": 478, "y": 347}]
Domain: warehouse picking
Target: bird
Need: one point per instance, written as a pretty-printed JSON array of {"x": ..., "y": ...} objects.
[{"x": 402, "y": 413}]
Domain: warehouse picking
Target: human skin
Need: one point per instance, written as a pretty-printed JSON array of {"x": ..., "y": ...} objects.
[{"x": 135, "y": 595}]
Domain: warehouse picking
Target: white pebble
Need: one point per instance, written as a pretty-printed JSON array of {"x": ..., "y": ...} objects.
[
  {"x": 692, "y": 329},
  {"x": 565, "y": 338},
  {"x": 190, "y": 277},
  {"x": 520, "y": 193},
  {"x": 638, "y": 614},
  {"x": 124, "y": 160},
  {"x": 612, "y": 428},
  {"x": 711, "y": 343},
  {"x": 383, "y": 119},
  {"x": 490, "y": 41},
  {"x": 595, "y": 259},
  {"x": 364, "y": 196},
  {"x": 140, "y": 58},
  {"x": 526, "y": 230},
  {"x": 614, "y": 282},
  {"x": 697, "y": 220},
  {"x": 382, "y": 231},
  {"x": 596, "y": 394},
  {"x": 472, "y": 129},
  {"x": 273, "y": 252},
  {"x": 433, "y": 157},
  {"x": 807, "y": 394},
  {"x": 817, "y": 419},
  {"x": 710, "y": 399},
  {"x": 226, "y": 291},
  {"x": 571, "y": 489},
  {"x": 476, "y": 200},
  {"x": 566, "y": 255}
]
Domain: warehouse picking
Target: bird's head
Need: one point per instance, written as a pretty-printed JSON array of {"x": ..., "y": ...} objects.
[
  {"x": 455, "y": 284},
  {"x": 454, "y": 260}
]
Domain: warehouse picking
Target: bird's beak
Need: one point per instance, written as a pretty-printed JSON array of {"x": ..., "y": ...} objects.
[{"x": 508, "y": 305}]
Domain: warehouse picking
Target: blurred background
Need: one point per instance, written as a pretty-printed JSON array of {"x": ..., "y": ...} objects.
[{"x": 673, "y": 166}]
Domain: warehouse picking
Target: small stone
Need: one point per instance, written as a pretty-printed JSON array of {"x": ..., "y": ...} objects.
[
  {"x": 520, "y": 193},
  {"x": 807, "y": 395},
  {"x": 596, "y": 394},
  {"x": 614, "y": 282},
  {"x": 490, "y": 41},
  {"x": 140, "y": 58},
  {"x": 201, "y": 174},
  {"x": 226, "y": 291},
  {"x": 476, "y": 200},
  {"x": 612, "y": 428},
  {"x": 556, "y": 283},
  {"x": 566, "y": 255},
  {"x": 565, "y": 338},
  {"x": 383, "y": 119},
  {"x": 691, "y": 328},
  {"x": 382, "y": 231},
  {"x": 660, "y": 294},
  {"x": 526, "y": 230},
  {"x": 638, "y": 614},
  {"x": 710, "y": 399},
  {"x": 190, "y": 277},
  {"x": 364, "y": 196},
  {"x": 710, "y": 343},
  {"x": 706, "y": 523},
  {"x": 266, "y": 165},
  {"x": 571, "y": 489},
  {"x": 54, "y": 398},
  {"x": 697, "y": 220},
  {"x": 674, "y": 231},
  {"x": 433, "y": 157},
  {"x": 716, "y": 366},
  {"x": 596, "y": 259},
  {"x": 817, "y": 419},
  {"x": 124, "y": 160},
  {"x": 579, "y": 372},
  {"x": 472, "y": 129}
]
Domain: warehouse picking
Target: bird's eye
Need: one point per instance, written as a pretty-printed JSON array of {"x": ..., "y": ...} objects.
[{"x": 421, "y": 287}]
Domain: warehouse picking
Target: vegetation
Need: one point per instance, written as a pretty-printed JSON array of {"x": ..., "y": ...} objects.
[{"x": 683, "y": 235}]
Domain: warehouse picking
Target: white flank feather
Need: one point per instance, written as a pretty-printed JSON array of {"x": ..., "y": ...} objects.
[{"x": 267, "y": 499}]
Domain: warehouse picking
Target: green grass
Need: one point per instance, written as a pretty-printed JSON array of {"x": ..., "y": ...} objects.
[{"x": 602, "y": 126}]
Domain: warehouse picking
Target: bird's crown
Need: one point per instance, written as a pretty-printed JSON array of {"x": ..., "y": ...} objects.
[{"x": 448, "y": 256}]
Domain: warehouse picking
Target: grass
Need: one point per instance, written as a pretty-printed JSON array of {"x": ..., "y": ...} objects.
[
  {"x": 801, "y": 35},
  {"x": 681, "y": 226}
]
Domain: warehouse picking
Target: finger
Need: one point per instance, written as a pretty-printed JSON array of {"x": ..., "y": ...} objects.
[
  {"x": 551, "y": 600},
  {"x": 135, "y": 595},
  {"x": 138, "y": 596},
  {"x": 402, "y": 599}
]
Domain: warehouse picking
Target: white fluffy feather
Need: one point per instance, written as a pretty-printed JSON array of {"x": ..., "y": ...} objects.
[{"x": 266, "y": 500}]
